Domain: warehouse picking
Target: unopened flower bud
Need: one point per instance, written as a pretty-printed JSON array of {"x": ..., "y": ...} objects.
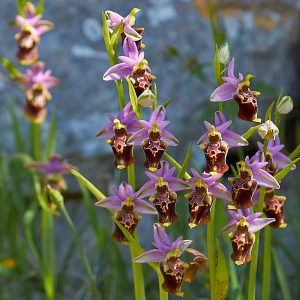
[
  {"x": 268, "y": 130},
  {"x": 285, "y": 105}
]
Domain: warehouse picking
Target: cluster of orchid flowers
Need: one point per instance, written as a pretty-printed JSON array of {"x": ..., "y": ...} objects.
[
  {"x": 36, "y": 81},
  {"x": 125, "y": 131}
]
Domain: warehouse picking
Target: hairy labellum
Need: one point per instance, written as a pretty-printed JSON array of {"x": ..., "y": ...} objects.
[
  {"x": 122, "y": 150},
  {"x": 172, "y": 270},
  {"x": 243, "y": 189},
  {"x": 154, "y": 149},
  {"x": 165, "y": 203},
  {"x": 38, "y": 96},
  {"x": 128, "y": 217},
  {"x": 215, "y": 154},
  {"x": 27, "y": 47},
  {"x": 272, "y": 166},
  {"x": 141, "y": 80},
  {"x": 200, "y": 202},
  {"x": 34, "y": 114},
  {"x": 247, "y": 103},
  {"x": 273, "y": 208},
  {"x": 242, "y": 243}
]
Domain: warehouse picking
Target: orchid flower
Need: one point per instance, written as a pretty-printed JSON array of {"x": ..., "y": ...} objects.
[
  {"x": 114, "y": 20},
  {"x": 118, "y": 130},
  {"x": 244, "y": 186},
  {"x": 221, "y": 124},
  {"x": 273, "y": 208},
  {"x": 161, "y": 188},
  {"x": 127, "y": 206},
  {"x": 53, "y": 170},
  {"x": 37, "y": 84},
  {"x": 204, "y": 188},
  {"x": 168, "y": 253},
  {"x": 237, "y": 88},
  {"x": 215, "y": 152},
  {"x": 274, "y": 157},
  {"x": 133, "y": 65},
  {"x": 29, "y": 30},
  {"x": 241, "y": 230},
  {"x": 154, "y": 138}
]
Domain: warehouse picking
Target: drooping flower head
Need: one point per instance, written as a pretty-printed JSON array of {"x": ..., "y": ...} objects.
[
  {"x": 251, "y": 175},
  {"x": 168, "y": 253},
  {"x": 37, "y": 84},
  {"x": 204, "y": 188},
  {"x": 154, "y": 138},
  {"x": 215, "y": 152},
  {"x": 275, "y": 159},
  {"x": 114, "y": 20},
  {"x": 29, "y": 29},
  {"x": 117, "y": 132},
  {"x": 221, "y": 124},
  {"x": 53, "y": 170},
  {"x": 237, "y": 88},
  {"x": 127, "y": 206},
  {"x": 133, "y": 65},
  {"x": 161, "y": 188},
  {"x": 241, "y": 229}
]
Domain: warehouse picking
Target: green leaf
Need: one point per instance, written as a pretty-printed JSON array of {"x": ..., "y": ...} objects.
[
  {"x": 10, "y": 68},
  {"x": 40, "y": 7},
  {"x": 268, "y": 115},
  {"x": 280, "y": 175},
  {"x": 133, "y": 99},
  {"x": 234, "y": 171},
  {"x": 174, "y": 163},
  {"x": 222, "y": 278},
  {"x": 96, "y": 192},
  {"x": 107, "y": 41},
  {"x": 21, "y": 4},
  {"x": 250, "y": 132},
  {"x": 217, "y": 65},
  {"x": 51, "y": 139},
  {"x": 280, "y": 272},
  {"x": 182, "y": 172},
  {"x": 20, "y": 143},
  {"x": 277, "y": 114},
  {"x": 133, "y": 12},
  {"x": 168, "y": 101},
  {"x": 116, "y": 35},
  {"x": 295, "y": 153}
]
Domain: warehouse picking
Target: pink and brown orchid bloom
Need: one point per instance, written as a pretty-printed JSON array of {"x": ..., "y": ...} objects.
[
  {"x": 29, "y": 30},
  {"x": 128, "y": 207},
  {"x": 241, "y": 229},
  {"x": 238, "y": 88},
  {"x": 167, "y": 254}
]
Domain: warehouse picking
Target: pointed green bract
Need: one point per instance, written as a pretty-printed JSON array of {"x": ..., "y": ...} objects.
[
  {"x": 116, "y": 35},
  {"x": 106, "y": 36},
  {"x": 268, "y": 115},
  {"x": 40, "y": 7},
  {"x": 280, "y": 175},
  {"x": 133, "y": 99},
  {"x": 222, "y": 277},
  {"x": 182, "y": 172},
  {"x": 168, "y": 101},
  {"x": 250, "y": 132},
  {"x": 10, "y": 68},
  {"x": 97, "y": 193},
  {"x": 295, "y": 153},
  {"x": 175, "y": 164}
]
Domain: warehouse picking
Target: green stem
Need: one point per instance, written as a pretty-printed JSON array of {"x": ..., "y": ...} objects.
[
  {"x": 138, "y": 277},
  {"x": 36, "y": 141},
  {"x": 48, "y": 254},
  {"x": 120, "y": 89},
  {"x": 221, "y": 106},
  {"x": 163, "y": 295},
  {"x": 211, "y": 251},
  {"x": 253, "y": 263},
  {"x": 267, "y": 264},
  {"x": 91, "y": 278}
]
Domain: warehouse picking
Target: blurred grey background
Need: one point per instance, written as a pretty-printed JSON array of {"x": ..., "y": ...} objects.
[{"x": 263, "y": 35}]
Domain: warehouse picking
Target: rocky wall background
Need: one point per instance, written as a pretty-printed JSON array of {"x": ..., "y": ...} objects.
[{"x": 264, "y": 38}]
